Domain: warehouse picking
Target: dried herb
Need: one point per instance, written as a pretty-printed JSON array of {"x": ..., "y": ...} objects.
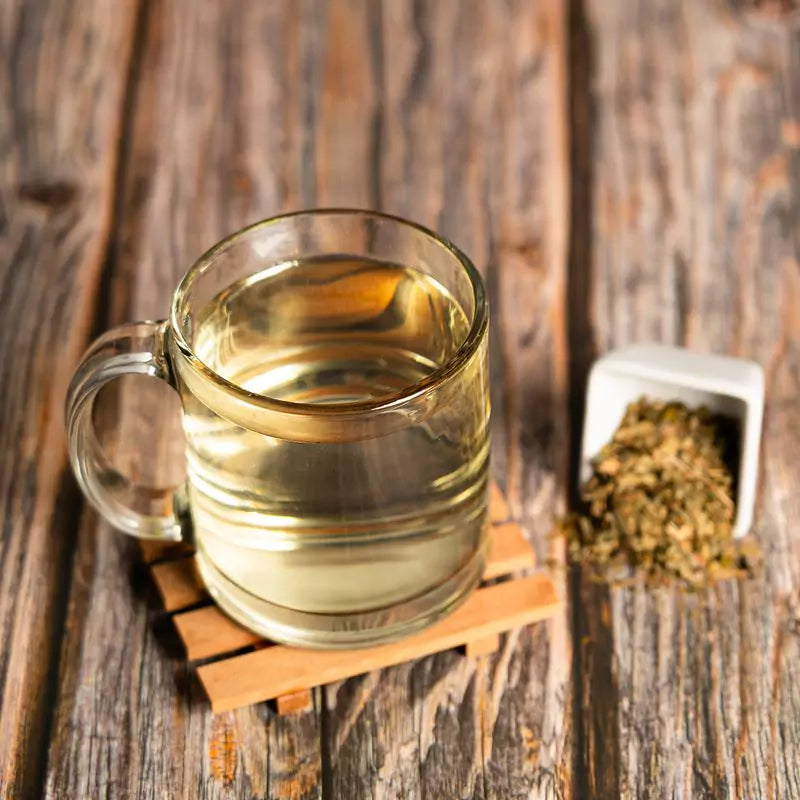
[{"x": 661, "y": 498}]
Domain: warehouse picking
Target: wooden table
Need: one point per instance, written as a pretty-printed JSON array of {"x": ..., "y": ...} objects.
[{"x": 618, "y": 170}]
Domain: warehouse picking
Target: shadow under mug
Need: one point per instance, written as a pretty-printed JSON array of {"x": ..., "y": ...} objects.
[{"x": 332, "y": 371}]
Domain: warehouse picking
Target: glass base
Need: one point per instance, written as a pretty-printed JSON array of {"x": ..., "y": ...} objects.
[{"x": 341, "y": 631}]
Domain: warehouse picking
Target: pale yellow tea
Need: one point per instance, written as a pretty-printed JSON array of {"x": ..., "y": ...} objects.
[{"x": 357, "y": 518}]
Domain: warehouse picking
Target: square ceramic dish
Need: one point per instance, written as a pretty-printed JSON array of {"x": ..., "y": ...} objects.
[{"x": 730, "y": 386}]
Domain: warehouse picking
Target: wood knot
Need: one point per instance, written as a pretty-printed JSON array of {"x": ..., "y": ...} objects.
[
  {"x": 53, "y": 195},
  {"x": 242, "y": 183},
  {"x": 527, "y": 254}
]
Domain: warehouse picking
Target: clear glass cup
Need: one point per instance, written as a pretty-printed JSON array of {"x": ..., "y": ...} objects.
[{"x": 332, "y": 371}]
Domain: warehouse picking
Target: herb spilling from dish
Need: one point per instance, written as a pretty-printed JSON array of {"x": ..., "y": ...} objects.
[{"x": 661, "y": 498}]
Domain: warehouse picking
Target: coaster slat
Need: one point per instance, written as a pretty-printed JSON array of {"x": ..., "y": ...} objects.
[
  {"x": 296, "y": 701},
  {"x": 207, "y": 632},
  {"x": 483, "y": 646},
  {"x": 279, "y": 670},
  {"x": 153, "y": 550},
  {"x": 509, "y": 551},
  {"x": 178, "y": 583}
]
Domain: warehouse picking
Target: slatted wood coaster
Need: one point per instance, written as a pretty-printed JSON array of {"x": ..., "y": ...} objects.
[{"x": 240, "y": 667}]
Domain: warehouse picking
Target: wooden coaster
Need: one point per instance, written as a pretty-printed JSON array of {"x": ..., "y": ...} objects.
[{"x": 286, "y": 674}]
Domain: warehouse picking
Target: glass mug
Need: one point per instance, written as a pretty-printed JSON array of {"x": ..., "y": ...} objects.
[{"x": 332, "y": 371}]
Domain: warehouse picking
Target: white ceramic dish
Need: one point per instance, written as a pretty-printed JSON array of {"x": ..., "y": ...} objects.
[{"x": 731, "y": 386}]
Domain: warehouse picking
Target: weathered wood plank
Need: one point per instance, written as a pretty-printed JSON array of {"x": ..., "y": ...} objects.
[
  {"x": 473, "y": 144},
  {"x": 218, "y": 138},
  {"x": 62, "y": 83},
  {"x": 527, "y": 723},
  {"x": 695, "y": 207}
]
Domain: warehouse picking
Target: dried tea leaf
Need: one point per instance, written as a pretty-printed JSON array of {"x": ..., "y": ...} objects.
[{"x": 661, "y": 498}]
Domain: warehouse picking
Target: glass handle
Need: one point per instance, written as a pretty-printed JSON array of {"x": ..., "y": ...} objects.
[{"x": 135, "y": 349}]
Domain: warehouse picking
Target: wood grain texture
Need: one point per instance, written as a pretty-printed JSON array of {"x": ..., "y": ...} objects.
[
  {"x": 509, "y": 551},
  {"x": 207, "y": 632},
  {"x": 218, "y": 138},
  {"x": 686, "y": 167},
  {"x": 483, "y": 646},
  {"x": 473, "y": 144},
  {"x": 178, "y": 583},
  {"x": 62, "y": 82},
  {"x": 694, "y": 205},
  {"x": 294, "y": 702}
]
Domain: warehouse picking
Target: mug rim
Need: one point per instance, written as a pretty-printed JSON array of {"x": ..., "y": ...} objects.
[{"x": 391, "y": 401}]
